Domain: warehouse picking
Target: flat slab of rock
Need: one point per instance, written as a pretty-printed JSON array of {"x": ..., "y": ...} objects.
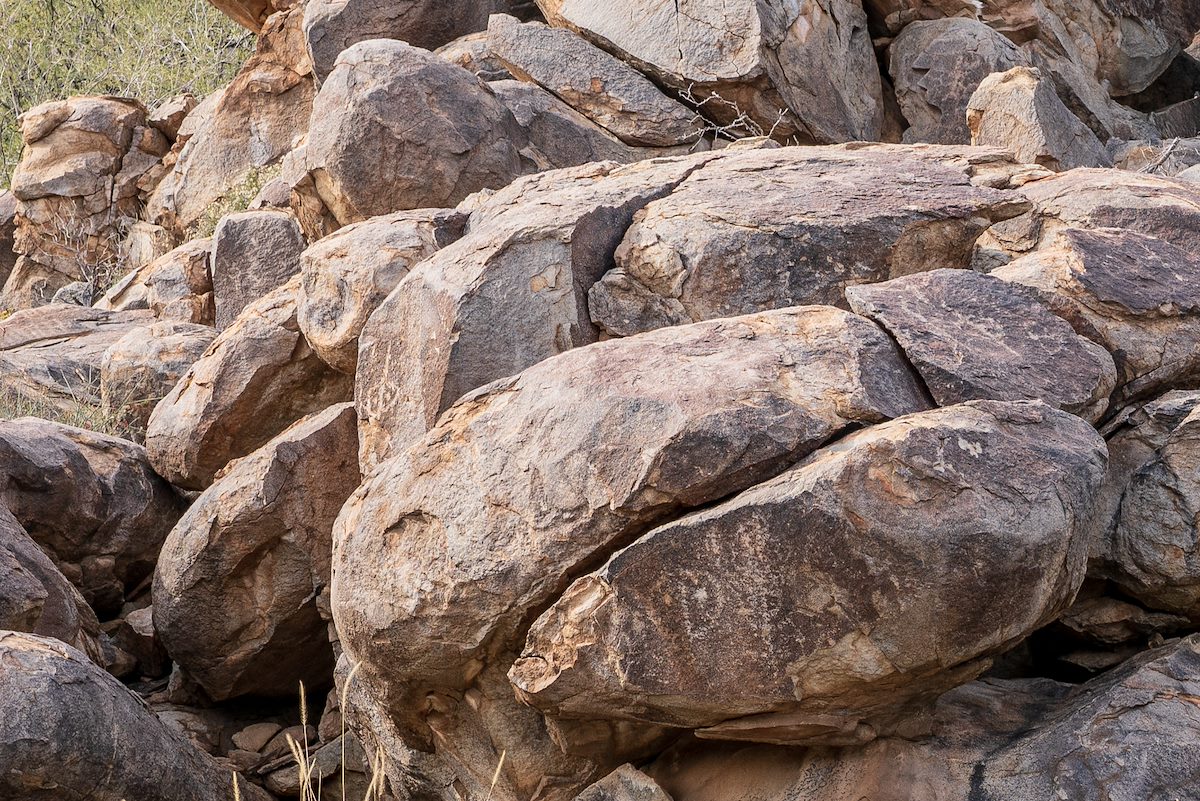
[
  {"x": 256, "y": 378},
  {"x": 773, "y": 228},
  {"x": 525, "y": 481},
  {"x": 91, "y": 501},
  {"x": 878, "y": 573},
  {"x": 976, "y": 337},
  {"x": 253, "y": 253},
  {"x": 235, "y": 592},
  {"x": 72, "y": 731},
  {"x": 350, "y": 272},
  {"x": 603, "y": 88}
]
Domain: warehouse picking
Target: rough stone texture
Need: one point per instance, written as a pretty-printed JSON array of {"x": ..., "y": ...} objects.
[
  {"x": 72, "y": 731},
  {"x": 52, "y": 354},
  {"x": 507, "y": 295},
  {"x": 1093, "y": 198},
  {"x": 890, "y": 17},
  {"x": 604, "y": 89},
  {"x": 253, "y": 253},
  {"x": 1129, "y": 734},
  {"x": 626, "y": 783},
  {"x": 788, "y": 226},
  {"x": 77, "y": 188},
  {"x": 90, "y": 501},
  {"x": 249, "y": 125},
  {"x": 258, "y": 377},
  {"x": 168, "y": 116},
  {"x": 235, "y": 590},
  {"x": 138, "y": 370},
  {"x": 936, "y": 66},
  {"x": 955, "y": 532},
  {"x": 1019, "y": 111},
  {"x": 1111, "y": 622},
  {"x": 249, "y": 14},
  {"x": 471, "y": 52},
  {"x": 806, "y": 71},
  {"x": 36, "y": 598},
  {"x": 348, "y": 274},
  {"x": 1137, "y": 295},
  {"x": 454, "y": 137},
  {"x": 466, "y": 538},
  {"x": 1170, "y": 157},
  {"x": 332, "y": 26},
  {"x": 8, "y": 225},
  {"x": 175, "y": 286},
  {"x": 976, "y": 337}
]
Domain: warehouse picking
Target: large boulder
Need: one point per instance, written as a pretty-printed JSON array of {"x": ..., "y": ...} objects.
[
  {"x": 253, "y": 253},
  {"x": 36, "y": 598},
  {"x": 1019, "y": 111},
  {"x": 250, "y": 14},
  {"x": 347, "y": 275},
  {"x": 175, "y": 286},
  {"x": 820, "y": 605},
  {"x": 604, "y": 89},
  {"x": 774, "y": 228},
  {"x": 936, "y": 66},
  {"x": 524, "y": 482},
  {"x": 794, "y": 70},
  {"x": 77, "y": 186},
  {"x": 1137, "y": 295},
  {"x": 976, "y": 337},
  {"x": 258, "y": 377},
  {"x": 142, "y": 367},
  {"x": 70, "y": 730},
  {"x": 507, "y": 295},
  {"x": 91, "y": 501},
  {"x": 235, "y": 592}
]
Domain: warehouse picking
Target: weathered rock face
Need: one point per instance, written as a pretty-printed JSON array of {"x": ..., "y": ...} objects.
[
  {"x": 1131, "y": 733},
  {"x": 141, "y": 368},
  {"x": 8, "y": 225},
  {"x": 348, "y": 274},
  {"x": 72, "y": 731},
  {"x": 973, "y": 539},
  {"x": 77, "y": 187},
  {"x": 247, "y": 13},
  {"x": 1019, "y": 111},
  {"x": 53, "y": 354},
  {"x": 1171, "y": 158},
  {"x": 604, "y": 89},
  {"x": 797, "y": 70},
  {"x": 258, "y": 377},
  {"x": 890, "y": 17},
  {"x": 174, "y": 286},
  {"x": 626, "y": 783},
  {"x": 253, "y": 253},
  {"x": 936, "y": 66},
  {"x": 251, "y": 124},
  {"x": 36, "y": 598},
  {"x": 492, "y": 534},
  {"x": 976, "y": 337},
  {"x": 332, "y": 26},
  {"x": 471, "y": 52},
  {"x": 1137, "y": 295},
  {"x": 235, "y": 592},
  {"x": 531, "y": 253},
  {"x": 90, "y": 501},
  {"x": 453, "y": 138},
  {"x": 775, "y": 228}
]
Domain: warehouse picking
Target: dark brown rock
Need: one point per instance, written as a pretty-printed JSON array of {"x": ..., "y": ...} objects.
[{"x": 253, "y": 253}]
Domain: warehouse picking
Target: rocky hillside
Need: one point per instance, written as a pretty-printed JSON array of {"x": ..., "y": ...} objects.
[{"x": 613, "y": 401}]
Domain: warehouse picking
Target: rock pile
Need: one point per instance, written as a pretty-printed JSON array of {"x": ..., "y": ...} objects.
[{"x": 625, "y": 401}]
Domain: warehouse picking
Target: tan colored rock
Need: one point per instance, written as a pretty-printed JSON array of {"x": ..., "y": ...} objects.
[
  {"x": 936, "y": 66},
  {"x": 235, "y": 592},
  {"x": 523, "y": 482},
  {"x": 1172, "y": 157},
  {"x": 257, "y": 378},
  {"x": 36, "y": 598},
  {"x": 253, "y": 253},
  {"x": 116, "y": 748},
  {"x": 626, "y": 783},
  {"x": 1111, "y": 622},
  {"x": 817, "y": 606},
  {"x": 890, "y": 17},
  {"x": 1019, "y": 111},
  {"x": 249, "y": 14},
  {"x": 602, "y": 88},
  {"x": 976, "y": 337},
  {"x": 471, "y": 52},
  {"x": 91, "y": 501},
  {"x": 52, "y": 355},
  {"x": 175, "y": 286},
  {"x": 77, "y": 187},
  {"x": 138, "y": 370},
  {"x": 1136, "y": 295},
  {"x": 790, "y": 226},
  {"x": 507, "y": 295},
  {"x": 168, "y": 116},
  {"x": 347, "y": 275},
  {"x": 806, "y": 71}
]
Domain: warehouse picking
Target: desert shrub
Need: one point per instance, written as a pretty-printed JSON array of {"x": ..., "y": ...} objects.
[
  {"x": 237, "y": 199},
  {"x": 146, "y": 49}
]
